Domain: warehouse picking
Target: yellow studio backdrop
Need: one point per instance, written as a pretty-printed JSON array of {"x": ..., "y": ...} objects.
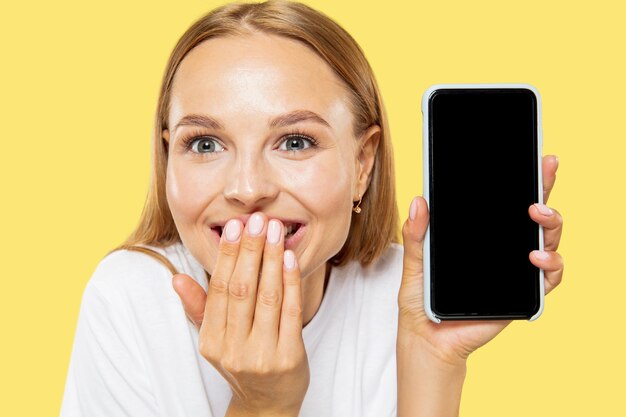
[{"x": 79, "y": 88}]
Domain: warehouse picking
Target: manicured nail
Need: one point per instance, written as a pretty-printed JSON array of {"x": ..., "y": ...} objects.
[
  {"x": 289, "y": 259},
  {"x": 413, "y": 209},
  {"x": 273, "y": 232},
  {"x": 232, "y": 230},
  {"x": 255, "y": 224},
  {"x": 541, "y": 255},
  {"x": 543, "y": 209}
]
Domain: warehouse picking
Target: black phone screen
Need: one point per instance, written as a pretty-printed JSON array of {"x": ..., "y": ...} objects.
[{"x": 483, "y": 178}]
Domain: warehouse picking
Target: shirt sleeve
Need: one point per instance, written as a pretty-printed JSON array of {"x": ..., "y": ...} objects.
[{"x": 106, "y": 376}]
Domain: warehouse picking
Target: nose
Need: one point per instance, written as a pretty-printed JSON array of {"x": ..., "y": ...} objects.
[{"x": 251, "y": 182}]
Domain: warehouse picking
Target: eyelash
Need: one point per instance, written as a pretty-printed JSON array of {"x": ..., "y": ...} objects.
[{"x": 188, "y": 141}]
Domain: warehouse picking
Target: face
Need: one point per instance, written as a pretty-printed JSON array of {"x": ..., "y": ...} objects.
[{"x": 261, "y": 123}]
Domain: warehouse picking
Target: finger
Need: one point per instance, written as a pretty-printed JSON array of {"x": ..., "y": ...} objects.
[
  {"x": 270, "y": 292},
  {"x": 550, "y": 164},
  {"x": 413, "y": 233},
  {"x": 552, "y": 265},
  {"x": 216, "y": 308},
  {"x": 552, "y": 223},
  {"x": 192, "y": 296},
  {"x": 290, "y": 329},
  {"x": 243, "y": 283}
]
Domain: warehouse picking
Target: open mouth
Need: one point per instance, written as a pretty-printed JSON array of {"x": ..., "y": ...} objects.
[{"x": 288, "y": 229}]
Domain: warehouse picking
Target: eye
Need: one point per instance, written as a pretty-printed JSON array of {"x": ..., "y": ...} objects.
[
  {"x": 204, "y": 144},
  {"x": 297, "y": 143}
]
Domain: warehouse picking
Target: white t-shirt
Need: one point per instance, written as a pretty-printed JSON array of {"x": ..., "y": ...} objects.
[{"x": 136, "y": 354}]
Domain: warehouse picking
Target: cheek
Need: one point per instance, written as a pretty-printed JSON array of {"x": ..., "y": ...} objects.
[
  {"x": 325, "y": 190},
  {"x": 330, "y": 194},
  {"x": 324, "y": 186},
  {"x": 187, "y": 192},
  {"x": 188, "y": 195}
]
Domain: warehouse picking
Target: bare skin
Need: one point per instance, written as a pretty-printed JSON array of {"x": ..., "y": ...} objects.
[
  {"x": 279, "y": 144},
  {"x": 437, "y": 349},
  {"x": 254, "y": 334}
]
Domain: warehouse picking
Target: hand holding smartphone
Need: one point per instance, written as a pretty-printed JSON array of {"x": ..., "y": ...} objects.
[{"x": 482, "y": 170}]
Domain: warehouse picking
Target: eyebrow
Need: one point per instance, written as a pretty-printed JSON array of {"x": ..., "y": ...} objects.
[
  {"x": 199, "y": 120},
  {"x": 297, "y": 116},
  {"x": 286, "y": 119}
]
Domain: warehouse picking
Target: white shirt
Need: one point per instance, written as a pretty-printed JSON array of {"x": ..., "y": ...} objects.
[{"x": 136, "y": 354}]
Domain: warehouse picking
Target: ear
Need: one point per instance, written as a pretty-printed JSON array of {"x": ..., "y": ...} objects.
[
  {"x": 366, "y": 155},
  {"x": 165, "y": 135}
]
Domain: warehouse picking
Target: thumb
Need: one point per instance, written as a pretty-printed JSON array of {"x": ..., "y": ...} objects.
[
  {"x": 192, "y": 296},
  {"x": 413, "y": 233}
]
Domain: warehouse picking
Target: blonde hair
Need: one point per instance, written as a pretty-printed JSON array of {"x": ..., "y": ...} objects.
[{"x": 376, "y": 226}]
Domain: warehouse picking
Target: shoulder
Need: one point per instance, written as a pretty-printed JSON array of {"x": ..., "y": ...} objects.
[
  {"x": 126, "y": 272},
  {"x": 385, "y": 273},
  {"x": 389, "y": 263},
  {"x": 122, "y": 266},
  {"x": 392, "y": 258}
]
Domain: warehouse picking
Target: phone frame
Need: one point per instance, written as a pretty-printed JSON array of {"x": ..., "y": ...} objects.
[{"x": 426, "y": 186}]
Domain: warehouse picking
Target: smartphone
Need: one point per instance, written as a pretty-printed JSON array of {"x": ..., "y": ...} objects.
[{"x": 482, "y": 155}]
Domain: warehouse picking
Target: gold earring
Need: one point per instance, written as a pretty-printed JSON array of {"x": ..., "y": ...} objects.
[{"x": 357, "y": 209}]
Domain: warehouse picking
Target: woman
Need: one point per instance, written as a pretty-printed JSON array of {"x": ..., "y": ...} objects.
[{"x": 273, "y": 171}]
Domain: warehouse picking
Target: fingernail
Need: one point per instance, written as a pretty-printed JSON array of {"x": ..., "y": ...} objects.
[
  {"x": 273, "y": 232},
  {"x": 233, "y": 230},
  {"x": 413, "y": 209},
  {"x": 556, "y": 159},
  {"x": 541, "y": 255},
  {"x": 255, "y": 224},
  {"x": 289, "y": 259},
  {"x": 543, "y": 209}
]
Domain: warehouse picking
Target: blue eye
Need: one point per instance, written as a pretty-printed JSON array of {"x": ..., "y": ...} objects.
[
  {"x": 202, "y": 144},
  {"x": 297, "y": 143},
  {"x": 205, "y": 144}
]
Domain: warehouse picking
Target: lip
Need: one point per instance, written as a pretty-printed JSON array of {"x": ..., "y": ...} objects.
[
  {"x": 244, "y": 220},
  {"x": 289, "y": 243},
  {"x": 296, "y": 237}
]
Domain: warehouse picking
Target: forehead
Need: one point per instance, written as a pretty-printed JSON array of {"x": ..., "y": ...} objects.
[{"x": 261, "y": 75}]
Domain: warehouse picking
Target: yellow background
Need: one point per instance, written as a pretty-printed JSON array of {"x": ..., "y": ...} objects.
[{"x": 79, "y": 89}]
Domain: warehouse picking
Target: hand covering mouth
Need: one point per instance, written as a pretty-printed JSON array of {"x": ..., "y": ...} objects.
[{"x": 289, "y": 229}]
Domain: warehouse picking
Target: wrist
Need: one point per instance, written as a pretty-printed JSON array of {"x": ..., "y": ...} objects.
[
  {"x": 428, "y": 385},
  {"x": 433, "y": 356},
  {"x": 236, "y": 409}
]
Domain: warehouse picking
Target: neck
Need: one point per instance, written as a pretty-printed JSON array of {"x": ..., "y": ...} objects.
[{"x": 313, "y": 289}]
